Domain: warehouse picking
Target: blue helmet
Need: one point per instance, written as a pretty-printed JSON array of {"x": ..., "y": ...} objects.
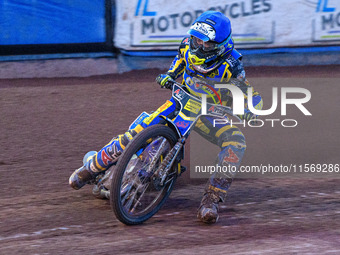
[{"x": 210, "y": 41}]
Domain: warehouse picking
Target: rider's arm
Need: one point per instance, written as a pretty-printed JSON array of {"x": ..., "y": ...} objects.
[
  {"x": 238, "y": 73},
  {"x": 257, "y": 102},
  {"x": 177, "y": 67},
  {"x": 178, "y": 64}
]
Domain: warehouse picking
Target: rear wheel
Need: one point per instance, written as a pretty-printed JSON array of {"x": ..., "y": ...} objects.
[{"x": 136, "y": 192}]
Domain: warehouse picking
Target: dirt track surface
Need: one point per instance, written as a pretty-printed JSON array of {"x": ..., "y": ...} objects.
[{"x": 47, "y": 125}]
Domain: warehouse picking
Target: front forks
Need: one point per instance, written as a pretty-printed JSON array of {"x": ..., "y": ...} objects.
[{"x": 163, "y": 171}]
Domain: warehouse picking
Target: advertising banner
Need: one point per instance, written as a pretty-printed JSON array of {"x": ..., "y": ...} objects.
[{"x": 161, "y": 24}]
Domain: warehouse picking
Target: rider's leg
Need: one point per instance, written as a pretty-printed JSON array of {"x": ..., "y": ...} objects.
[
  {"x": 232, "y": 143},
  {"x": 110, "y": 153}
]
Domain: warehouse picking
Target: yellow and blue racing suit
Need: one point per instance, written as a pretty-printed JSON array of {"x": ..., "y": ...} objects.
[{"x": 228, "y": 137}]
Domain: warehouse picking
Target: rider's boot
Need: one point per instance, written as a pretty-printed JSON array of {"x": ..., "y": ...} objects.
[
  {"x": 208, "y": 210},
  {"x": 84, "y": 174}
]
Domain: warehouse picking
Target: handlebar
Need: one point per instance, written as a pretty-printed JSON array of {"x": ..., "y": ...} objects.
[{"x": 223, "y": 110}]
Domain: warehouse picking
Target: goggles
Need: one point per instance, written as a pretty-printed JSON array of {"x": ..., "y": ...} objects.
[{"x": 197, "y": 43}]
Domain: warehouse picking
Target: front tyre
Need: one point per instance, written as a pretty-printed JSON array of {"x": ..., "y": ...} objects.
[{"x": 136, "y": 194}]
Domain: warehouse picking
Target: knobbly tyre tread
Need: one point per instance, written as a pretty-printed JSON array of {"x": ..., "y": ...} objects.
[{"x": 131, "y": 148}]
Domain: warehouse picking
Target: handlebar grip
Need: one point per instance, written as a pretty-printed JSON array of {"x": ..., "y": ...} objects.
[{"x": 170, "y": 83}]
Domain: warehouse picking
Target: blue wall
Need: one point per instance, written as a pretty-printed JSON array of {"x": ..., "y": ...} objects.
[{"x": 52, "y": 21}]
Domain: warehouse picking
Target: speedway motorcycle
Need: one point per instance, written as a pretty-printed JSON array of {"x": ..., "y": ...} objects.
[{"x": 145, "y": 174}]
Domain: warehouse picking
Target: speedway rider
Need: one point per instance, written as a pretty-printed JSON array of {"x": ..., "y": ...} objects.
[{"x": 209, "y": 55}]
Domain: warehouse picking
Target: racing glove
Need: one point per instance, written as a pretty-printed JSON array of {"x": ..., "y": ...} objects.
[
  {"x": 248, "y": 116},
  {"x": 164, "y": 80}
]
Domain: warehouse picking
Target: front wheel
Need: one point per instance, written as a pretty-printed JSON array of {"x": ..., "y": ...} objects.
[{"x": 136, "y": 193}]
